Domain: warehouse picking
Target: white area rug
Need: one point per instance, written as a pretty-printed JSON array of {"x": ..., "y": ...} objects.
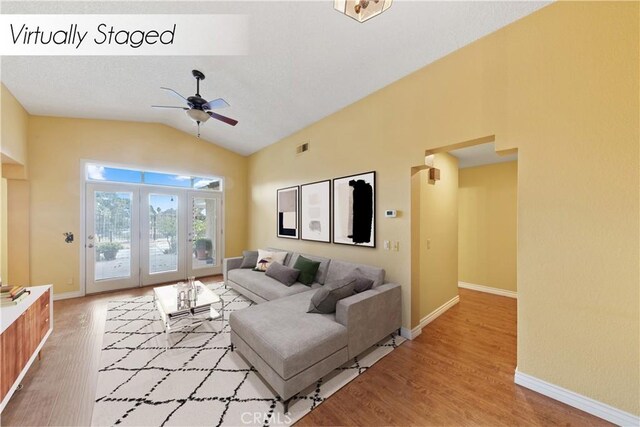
[{"x": 198, "y": 381}]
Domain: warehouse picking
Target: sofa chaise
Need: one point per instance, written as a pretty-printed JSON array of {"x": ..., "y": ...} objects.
[{"x": 290, "y": 348}]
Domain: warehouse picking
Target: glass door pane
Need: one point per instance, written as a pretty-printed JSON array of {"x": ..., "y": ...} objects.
[
  {"x": 163, "y": 233},
  {"x": 205, "y": 234},
  {"x": 163, "y": 227},
  {"x": 112, "y": 234},
  {"x": 111, "y": 237}
]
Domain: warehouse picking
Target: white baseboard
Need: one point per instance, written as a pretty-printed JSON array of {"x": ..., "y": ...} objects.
[
  {"x": 586, "y": 404},
  {"x": 413, "y": 333},
  {"x": 488, "y": 289},
  {"x": 67, "y": 295}
]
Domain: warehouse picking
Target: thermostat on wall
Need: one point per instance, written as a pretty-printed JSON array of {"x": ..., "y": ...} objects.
[{"x": 390, "y": 213}]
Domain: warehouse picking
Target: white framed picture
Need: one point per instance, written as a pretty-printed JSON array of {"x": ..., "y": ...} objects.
[
  {"x": 354, "y": 210},
  {"x": 315, "y": 215}
]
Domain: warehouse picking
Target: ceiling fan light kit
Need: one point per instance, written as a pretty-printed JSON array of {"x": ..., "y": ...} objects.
[
  {"x": 362, "y": 10},
  {"x": 197, "y": 116},
  {"x": 198, "y": 108}
]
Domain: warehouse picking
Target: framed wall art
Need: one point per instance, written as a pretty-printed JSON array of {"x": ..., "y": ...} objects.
[
  {"x": 315, "y": 211},
  {"x": 354, "y": 210},
  {"x": 287, "y": 200}
]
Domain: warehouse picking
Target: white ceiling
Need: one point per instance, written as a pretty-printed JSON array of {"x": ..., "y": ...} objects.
[
  {"x": 301, "y": 67},
  {"x": 479, "y": 155}
]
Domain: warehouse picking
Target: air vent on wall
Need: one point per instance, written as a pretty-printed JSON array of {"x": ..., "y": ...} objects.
[{"x": 302, "y": 148}]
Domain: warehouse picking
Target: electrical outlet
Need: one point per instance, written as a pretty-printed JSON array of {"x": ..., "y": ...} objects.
[
  {"x": 70, "y": 281},
  {"x": 387, "y": 245}
]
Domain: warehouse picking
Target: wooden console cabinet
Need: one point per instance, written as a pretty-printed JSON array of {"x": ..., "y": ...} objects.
[{"x": 25, "y": 328}]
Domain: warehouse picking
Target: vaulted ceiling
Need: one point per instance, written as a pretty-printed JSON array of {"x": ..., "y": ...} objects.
[{"x": 306, "y": 61}]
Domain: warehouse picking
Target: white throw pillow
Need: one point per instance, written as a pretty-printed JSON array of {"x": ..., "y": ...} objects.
[{"x": 265, "y": 258}]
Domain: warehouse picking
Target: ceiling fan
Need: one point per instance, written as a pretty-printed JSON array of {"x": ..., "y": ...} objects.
[{"x": 198, "y": 108}]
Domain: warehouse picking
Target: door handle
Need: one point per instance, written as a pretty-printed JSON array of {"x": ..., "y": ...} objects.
[{"x": 90, "y": 245}]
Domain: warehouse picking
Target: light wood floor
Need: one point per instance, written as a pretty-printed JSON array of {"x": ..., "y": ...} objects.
[{"x": 458, "y": 372}]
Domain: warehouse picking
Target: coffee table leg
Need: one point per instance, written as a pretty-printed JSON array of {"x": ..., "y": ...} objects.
[
  {"x": 167, "y": 328},
  {"x": 221, "y": 315}
]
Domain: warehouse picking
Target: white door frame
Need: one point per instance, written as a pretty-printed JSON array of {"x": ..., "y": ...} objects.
[
  {"x": 217, "y": 267},
  {"x": 146, "y": 277},
  {"x": 90, "y": 241},
  {"x": 83, "y": 181}
]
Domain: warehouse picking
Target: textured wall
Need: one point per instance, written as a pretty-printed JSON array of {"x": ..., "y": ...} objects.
[
  {"x": 561, "y": 85},
  {"x": 56, "y": 147},
  {"x": 487, "y": 226},
  {"x": 439, "y": 235},
  {"x": 13, "y": 127}
]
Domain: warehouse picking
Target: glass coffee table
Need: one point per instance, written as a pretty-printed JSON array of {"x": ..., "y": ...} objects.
[{"x": 177, "y": 313}]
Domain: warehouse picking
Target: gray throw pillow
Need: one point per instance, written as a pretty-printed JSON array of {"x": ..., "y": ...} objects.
[
  {"x": 361, "y": 283},
  {"x": 325, "y": 299},
  {"x": 249, "y": 259},
  {"x": 282, "y": 273}
]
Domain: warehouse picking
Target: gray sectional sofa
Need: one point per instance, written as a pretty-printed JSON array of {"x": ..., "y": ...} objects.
[{"x": 290, "y": 348}]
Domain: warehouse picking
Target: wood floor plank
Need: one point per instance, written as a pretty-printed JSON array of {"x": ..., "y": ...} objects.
[{"x": 458, "y": 372}]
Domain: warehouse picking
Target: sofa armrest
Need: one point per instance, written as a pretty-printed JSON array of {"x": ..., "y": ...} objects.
[
  {"x": 370, "y": 316},
  {"x": 230, "y": 264}
]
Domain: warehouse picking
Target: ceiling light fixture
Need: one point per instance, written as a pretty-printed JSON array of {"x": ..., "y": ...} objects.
[
  {"x": 362, "y": 10},
  {"x": 197, "y": 116}
]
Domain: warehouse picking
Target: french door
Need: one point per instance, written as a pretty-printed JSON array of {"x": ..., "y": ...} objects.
[
  {"x": 144, "y": 235},
  {"x": 113, "y": 243},
  {"x": 205, "y": 234}
]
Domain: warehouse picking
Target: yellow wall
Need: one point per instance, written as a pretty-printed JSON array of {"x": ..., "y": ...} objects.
[
  {"x": 439, "y": 235},
  {"x": 56, "y": 147},
  {"x": 4, "y": 252},
  {"x": 13, "y": 127},
  {"x": 487, "y": 211},
  {"x": 18, "y": 232},
  {"x": 561, "y": 85},
  {"x": 15, "y": 190}
]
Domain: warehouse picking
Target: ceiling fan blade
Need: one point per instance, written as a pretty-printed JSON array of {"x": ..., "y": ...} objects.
[
  {"x": 216, "y": 104},
  {"x": 168, "y": 106},
  {"x": 222, "y": 118},
  {"x": 176, "y": 94}
]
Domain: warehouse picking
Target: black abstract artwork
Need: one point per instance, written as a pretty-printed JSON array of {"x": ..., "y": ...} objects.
[{"x": 354, "y": 210}]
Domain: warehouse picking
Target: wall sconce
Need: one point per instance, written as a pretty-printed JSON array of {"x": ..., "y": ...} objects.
[{"x": 434, "y": 173}]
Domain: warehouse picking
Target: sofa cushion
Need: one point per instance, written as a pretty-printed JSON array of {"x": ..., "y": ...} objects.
[
  {"x": 361, "y": 283},
  {"x": 286, "y": 337},
  {"x": 321, "y": 275},
  {"x": 341, "y": 269},
  {"x": 287, "y": 259},
  {"x": 264, "y": 286},
  {"x": 249, "y": 259},
  {"x": 283, "y": 274},
  {"x": 266, "y": 258},
  {"x": 307, "y": 268},
  {"x": 325, "y": 300}
]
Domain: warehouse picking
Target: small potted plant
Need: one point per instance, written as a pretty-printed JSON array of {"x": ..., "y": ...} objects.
[
  {"x": 203, "y": 248},
  {"x": 109, "y": 250}
]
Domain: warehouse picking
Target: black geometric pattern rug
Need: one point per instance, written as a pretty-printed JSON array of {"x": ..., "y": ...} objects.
[{"x": 198, "y": 380}]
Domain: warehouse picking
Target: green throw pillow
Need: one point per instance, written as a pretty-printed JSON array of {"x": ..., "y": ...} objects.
[{"x": 308, "y": 270}]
